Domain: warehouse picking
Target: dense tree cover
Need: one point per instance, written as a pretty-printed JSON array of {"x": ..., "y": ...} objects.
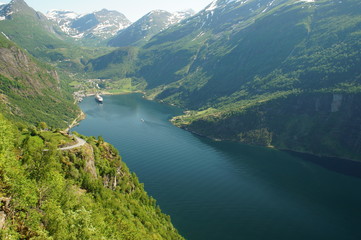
[{"x": 84, "y": 193}]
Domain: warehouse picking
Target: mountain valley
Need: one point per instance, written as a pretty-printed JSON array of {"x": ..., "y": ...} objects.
[
  {"x": 279, "y": 74},
  {"x": 239, "y": 56}
]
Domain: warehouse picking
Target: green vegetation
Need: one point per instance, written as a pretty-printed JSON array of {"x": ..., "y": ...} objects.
[
  {"x": 84, "y": 193},
  {"x": 31, "y": 91},
  {"x": 32, "y": 31},
  {"x": 237, "y": 70},
  {"x": 287, "y": 77},
  {"x": 125, "y": 85},
  {"x": 45, "y": 193}
]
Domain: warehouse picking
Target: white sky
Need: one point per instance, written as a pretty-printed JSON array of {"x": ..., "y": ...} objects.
[{"x": 132, "y": 9}]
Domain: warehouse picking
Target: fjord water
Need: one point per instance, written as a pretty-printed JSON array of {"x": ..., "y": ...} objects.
[{"x": 225, "y": 190}]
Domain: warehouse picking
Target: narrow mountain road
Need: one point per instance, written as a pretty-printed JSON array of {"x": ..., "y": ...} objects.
[{"x": 80, "y": 142}]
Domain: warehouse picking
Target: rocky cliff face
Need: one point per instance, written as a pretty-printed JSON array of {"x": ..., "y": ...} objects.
[
  {"x": 15, "y": 64},
  {"x": 30, "y": 91}
]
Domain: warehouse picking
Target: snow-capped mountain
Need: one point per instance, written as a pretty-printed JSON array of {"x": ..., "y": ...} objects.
[
  {"x": 224, "y": 15},
  {"x": 180, "y": 15},
  {"x": 101, "y": 24},
  {"x": 15, "y": 6},
  {"x": 64, "y": 18},
  {"x": 149, "y": 25},
  {"x": 3, "y": 11}
]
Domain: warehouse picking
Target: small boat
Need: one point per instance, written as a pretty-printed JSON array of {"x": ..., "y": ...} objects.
[
  {"x": 98, "y": 98},
  {"x": 142, "y": 120}
]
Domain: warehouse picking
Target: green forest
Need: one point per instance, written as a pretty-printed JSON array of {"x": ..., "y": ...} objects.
[
  {"x": 282, "y": 74},
  {"x": 83, "y": 193}
]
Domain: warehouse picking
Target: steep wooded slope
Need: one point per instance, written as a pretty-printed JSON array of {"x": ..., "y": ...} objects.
[
  {"x": 31, "y": 91},
  {"x": 83, "y": 193}
]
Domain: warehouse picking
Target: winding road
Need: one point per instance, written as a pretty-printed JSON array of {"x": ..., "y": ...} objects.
[{"x": 80, "y": 142}]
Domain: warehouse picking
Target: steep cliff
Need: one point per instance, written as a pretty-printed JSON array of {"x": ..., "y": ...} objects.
[{"x": 31, "y": 91}]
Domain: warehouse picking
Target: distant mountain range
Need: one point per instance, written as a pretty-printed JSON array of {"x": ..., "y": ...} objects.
[
  {"x": 148, "y": 26},
  {"x": 95, "y": 28},
  {"x": 101, "y": 24},
  {"x": 107, "y": 24}
]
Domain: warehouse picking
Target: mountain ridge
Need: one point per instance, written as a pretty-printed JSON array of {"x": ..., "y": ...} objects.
[
  {"x": 146, "y": 27},
  {"x": 101, "y": 24}
]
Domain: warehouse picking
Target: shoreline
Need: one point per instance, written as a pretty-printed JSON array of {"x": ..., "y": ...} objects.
[
  {"x": 82, "y": 116},
  {"x": 294, "y": 152},
  {"x": 76, "y": 121},
  {"x": 110, "y": 93}
]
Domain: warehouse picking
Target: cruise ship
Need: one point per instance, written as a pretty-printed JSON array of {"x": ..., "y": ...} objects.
[{"x": 98, "y": 98}]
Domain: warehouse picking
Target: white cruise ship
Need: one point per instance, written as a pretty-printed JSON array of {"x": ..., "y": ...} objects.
[{"x": 98, "y": 98}]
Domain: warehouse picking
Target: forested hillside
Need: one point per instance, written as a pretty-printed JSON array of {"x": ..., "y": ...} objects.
[
  {"x": 83, "y": 193},
  {"x": 31, "y": 91}
]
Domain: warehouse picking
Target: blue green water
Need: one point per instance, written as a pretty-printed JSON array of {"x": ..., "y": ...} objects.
[{"x": 224, "y": 190}]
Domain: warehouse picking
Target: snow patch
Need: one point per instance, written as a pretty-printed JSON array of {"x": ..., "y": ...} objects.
[
  {"x": 81, "y": 35},
  {"x": 222, "y": 3},
  {"x": 61, "y": 14},
  {"x": 179, "y": 16},
  {"x": 268, "y": 5},
  {"x": 110, "y": 22},
  {"x": 212, "y": 6}
]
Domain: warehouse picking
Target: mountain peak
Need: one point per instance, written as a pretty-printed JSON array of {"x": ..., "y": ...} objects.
[
  {"x": 56, "y": 14},
  {"x": 100, "y": 24},
  {"x": 222, "y": 3},
  {"x": 146, "y": 27},
  {"x": 157, "y": 11},
  {"x": 104, "y": 10},
  {"x": 7, "y": 11},
  {"x": 17, "y": 3}
]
